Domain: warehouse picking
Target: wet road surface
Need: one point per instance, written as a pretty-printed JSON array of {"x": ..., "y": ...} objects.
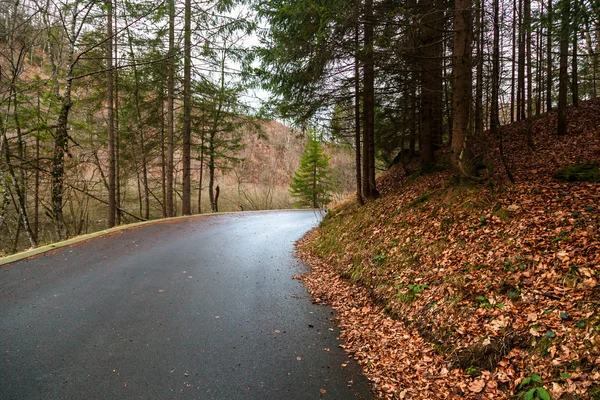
[{"x": 200, "y": 308}]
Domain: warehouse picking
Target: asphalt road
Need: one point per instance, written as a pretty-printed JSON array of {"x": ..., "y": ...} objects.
[{"x": 200, "y": 308}]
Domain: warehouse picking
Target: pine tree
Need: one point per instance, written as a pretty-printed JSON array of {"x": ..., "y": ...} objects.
[{"x": 310, "y": 183}]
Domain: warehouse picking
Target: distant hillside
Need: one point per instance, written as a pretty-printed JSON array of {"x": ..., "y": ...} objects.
[{"x": 268, "y": 160}]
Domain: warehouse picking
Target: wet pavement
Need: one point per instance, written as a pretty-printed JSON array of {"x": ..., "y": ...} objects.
[{"x": 199, "y": 308}]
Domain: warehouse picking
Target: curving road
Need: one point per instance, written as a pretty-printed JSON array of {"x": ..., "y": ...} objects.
[{"x": 199, "y": 308}]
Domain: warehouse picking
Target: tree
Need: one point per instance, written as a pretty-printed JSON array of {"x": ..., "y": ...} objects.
[
  {"x": 112, "y": 176},
  {"x": 563, "y": 78},
  {"x": 186, "y": 207},
  {"x": 429, "y": 76},
  {"x": 310, "y": 183},
  {"x": 461, "y": 145},
  {"x": 369, "y": 187},
  {"x": 170, "y": 111}
]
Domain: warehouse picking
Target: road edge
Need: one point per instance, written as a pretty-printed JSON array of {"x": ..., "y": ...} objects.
[{"x": 4, "y": 261}]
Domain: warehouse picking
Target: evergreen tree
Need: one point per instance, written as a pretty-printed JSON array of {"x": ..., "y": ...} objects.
[{"x": 310, "y": 183}]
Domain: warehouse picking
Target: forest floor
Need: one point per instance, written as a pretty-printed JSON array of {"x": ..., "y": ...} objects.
[{"x": 446, "y": 289}]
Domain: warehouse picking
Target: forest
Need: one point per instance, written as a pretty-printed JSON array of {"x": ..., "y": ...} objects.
[{"x": 122, "y": 111}]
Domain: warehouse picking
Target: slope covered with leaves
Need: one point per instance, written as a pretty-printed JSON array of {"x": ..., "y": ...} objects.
[{"x": 448, "y": 289}]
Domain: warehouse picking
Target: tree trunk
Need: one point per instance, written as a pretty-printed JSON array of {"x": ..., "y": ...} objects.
[
  {"x": 58, "y": 169},
  {"x": 20, "y": 202},
  {"x": 186, "y": 208},
  {"x": 139, "y": 128},
  {"x": 36, "y": 193},
  {"x": 521, "y": 66},
  {"x": 494, "y": 112},
  {"x": 413, "y": 117},
  {"x": 110, "y": 116},
  {"x": 211, "y": 171},
  {"x": 461, "y": 74},
  {"x": 549, "y": 79},
  {"x": 170, "y": 110},
  {"x": 163, "y": 156},
  {"x": 119, "y": 215},
  {"x": 513, "y": 63},
  {"x": 428, "y": 38},
  {"x": 201, "y": 172},
  {"x": 574, "y": 78},
  {"x": 563, "y": 72},
  {"x": 529, "y": 98},
  {"x": 479, "y": 18},
  {"x": 539, "y": 57},
  {"x": 447, "y": 95},
  {"x": 370, "y": 190},
  {"x": 359, "y": 196}
]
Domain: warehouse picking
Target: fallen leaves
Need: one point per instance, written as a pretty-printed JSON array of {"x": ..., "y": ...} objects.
[
  {"x": 504, "y": 277},
  {"x": 477, "y": 386}
]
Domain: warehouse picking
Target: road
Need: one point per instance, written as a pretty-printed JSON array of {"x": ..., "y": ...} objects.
[{"x": 199, "y": 308}]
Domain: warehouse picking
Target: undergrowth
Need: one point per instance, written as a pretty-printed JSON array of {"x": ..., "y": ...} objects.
[{"x": 498, "y": 277}]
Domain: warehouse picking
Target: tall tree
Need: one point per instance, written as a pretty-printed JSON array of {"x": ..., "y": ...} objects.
[
  {"x": 522, "y": 30},
  {"x": 112, "y": 177},
  {"x": 462, "y": 79},
  {"x": 529, "y": 98},
  {"x": 369, "y": 186},
  {"x": 574, "y": 63},
  {"x": 357, "y": 97},
  {"x": 480, "y": 29},
  {"x": 63, "y": 61},
  {"x": 549, "y": 79},
  {"x": 171, "y": 110},
  {"x": 186, "y": 207},
  {"x": 429, "y": 39},
  {"x": 563, "y": 74}
]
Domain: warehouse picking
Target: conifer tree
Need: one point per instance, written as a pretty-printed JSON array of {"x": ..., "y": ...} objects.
[{"x": 310, "y": 183}]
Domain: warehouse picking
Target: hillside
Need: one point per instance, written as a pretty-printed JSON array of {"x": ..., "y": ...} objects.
[
  {"x": 451, "y": 289},
  {"x": 267, "y": 161}
]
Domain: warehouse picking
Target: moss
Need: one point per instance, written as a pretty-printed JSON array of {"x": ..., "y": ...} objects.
[
  {"x": 579, "y": 172},
  {"x": 594, "y": 391},
  {"x": 502, "y": 213},
  {"x": 542, "y": 346},
  {"x": 419, "y": 200}
]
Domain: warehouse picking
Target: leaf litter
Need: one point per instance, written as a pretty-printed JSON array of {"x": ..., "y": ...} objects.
[{"x": 450, "y": 290}]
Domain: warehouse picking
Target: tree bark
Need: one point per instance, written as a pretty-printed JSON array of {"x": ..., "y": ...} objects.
[
  {"x": 529, "y": 98},
  {"x": 110, "y": 116},
  {"x": 186, "y": 208},
  {"x": 170, "y": 110},
  {"x": 139, "y": 129},
  {"x": 428, "y": 38},
  {"x": 370, "y": 190},
  {"x": 479, "y": 18},
  {"x": 163, "y": 155},
  {"x": 119, "y": 212},
  {"x": 549, "y": 79},
  {"x": 513, "y": 63},
  {"x": 574, "y": 77},
  {"x": 462, "y": 79},
  {"x": 359, "y": 196},
  {"x": 521, "y": 65},
  {"x": 539, "y": 56},
  {"x": 201, "y": 171},
  {"x": 563, "y": 72}
]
